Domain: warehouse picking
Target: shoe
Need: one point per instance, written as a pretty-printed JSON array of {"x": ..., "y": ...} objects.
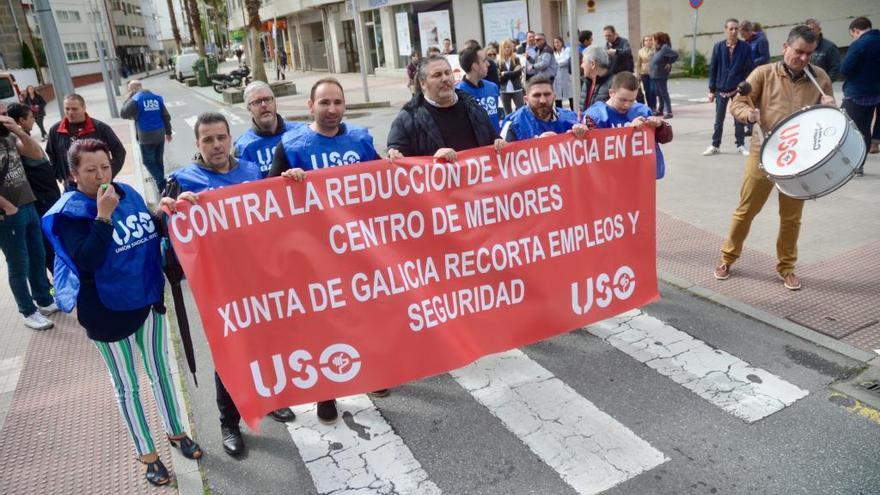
[
  {"x": 378, "y": 394},
  {"x": 711, "y": 150},
  {"x": 859, "y": 173},
  {"x": 722, "y": 271},
  {"x": 157, "y": 473},
  {"x": 233, "y": 443},
  {"x": 790, "y": 281},
  {"x": 43, "y": 139},
  {"x": 283, "y": 415},
  {"x": 188, "y": 448},
  {"x": 875, "y": 148},
  {"x": 47, "y": 310},
  {"x": 327, "y": 412},
  {"x": 37, "y": 321},
  {"x": 748, "y": 133},
  {"x": 667, "y": 116},
  {"x": 742, "y": 150}
]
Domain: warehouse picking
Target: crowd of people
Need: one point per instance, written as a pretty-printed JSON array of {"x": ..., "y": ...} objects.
[{"x": 509, "y": 92}]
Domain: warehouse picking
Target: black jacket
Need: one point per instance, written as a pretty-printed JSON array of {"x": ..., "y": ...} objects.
[
  {"x": 60, "y": 140},
  {"x": 511, "y": 73},
  {"x": 415, "y": 133},
  {"x": 492, "y": 73}
]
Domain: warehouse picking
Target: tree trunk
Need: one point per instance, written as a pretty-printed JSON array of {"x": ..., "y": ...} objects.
[
  {"x": 196, "y": 25},
  {"x": 255, "y": 27},
  {"x": 174, "y": 30}
]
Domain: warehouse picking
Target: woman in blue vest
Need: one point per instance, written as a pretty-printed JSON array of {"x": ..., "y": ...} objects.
[{"x": 108, "y": 266}]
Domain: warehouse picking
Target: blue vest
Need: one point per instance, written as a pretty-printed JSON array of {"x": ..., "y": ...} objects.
[
  {"x": 526, "y": 126},
  {"x": 309, "y": 150},
  {"x": 149, "y": 117},
  {"x": 195, "y": 178},
  {"x": 131, "y": 276},
  {"x": 258, "y": 149},
  {"x": 604, "y": 116},
  {"x": 487, "y": 96}
]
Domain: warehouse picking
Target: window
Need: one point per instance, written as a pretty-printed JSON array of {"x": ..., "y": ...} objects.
[
  {"x": 68, "y": 16},
  {"x": 117, "y": 5},
  {"x": 76, "y": 51},
  {"x": 6, "y": 90},
  {"x": 104, "y": 47},
  {"x": 120, "y": 30}
]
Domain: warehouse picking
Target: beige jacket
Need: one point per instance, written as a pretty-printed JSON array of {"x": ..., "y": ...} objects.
[
  {"x": 644, "y": 63},
  {"x": 776, "y": 96}
]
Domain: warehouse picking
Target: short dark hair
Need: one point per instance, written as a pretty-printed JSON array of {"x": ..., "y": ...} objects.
[
  {"x": 447, "y": 39},
  {"x": 747, "y": 26},
  {"x": 626, "y": 80},
  {"x": 585, "y": 36},
  {"x": 210, "y": 118},
  {"x": 729, "y": 20},
  {"x": 88, "y": 145},
  {"x": 471, "y": 44},
  {"x": 76, "y": 97},
  {"x": 536, "y": 80},
  {"x": 860, "y": 23},
  {"x": 802, "y": 32},
  {"x": 468, "y": 57},
  {"x": 662, "y": 38},
  {"x": 432, "y": 50},
  {"x": 422, "y": 74},
  {"x": 325, "y": 80},
  {"x": 17, "y": 111},
  {"x": 609, "y": 28}
]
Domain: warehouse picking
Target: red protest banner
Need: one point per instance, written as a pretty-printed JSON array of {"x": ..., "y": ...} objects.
[{"x": 367, "y": 276}]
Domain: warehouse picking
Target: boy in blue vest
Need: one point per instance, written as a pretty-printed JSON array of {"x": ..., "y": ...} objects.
[
  {"x": 622, "y": 110},
  {"x": 153, "y": 124},
  {"x": 475, "y": 64},
  {"x": 326, "y": 142},
  {"x": 540, "y": 116},
  {"x": 213, "y": 168},
  {"x": 258, "y": 143}
]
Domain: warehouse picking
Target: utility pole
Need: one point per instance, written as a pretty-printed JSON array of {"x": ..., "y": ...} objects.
[
  {"x": 575, "y": 54},
  {"x": 61, "y": 81},
  {"x": 362, "y": 50},
  {"x": 105, "y": 73}
]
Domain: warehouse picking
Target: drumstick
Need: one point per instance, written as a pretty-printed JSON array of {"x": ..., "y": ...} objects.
[
  {"x": 807, "y": 70},
  {"x": 744, "y": 88}
]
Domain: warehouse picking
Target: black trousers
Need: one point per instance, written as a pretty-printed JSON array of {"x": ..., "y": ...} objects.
[
  {"x": 229, "y": 415},
  {"x": 862, "y": 117}
]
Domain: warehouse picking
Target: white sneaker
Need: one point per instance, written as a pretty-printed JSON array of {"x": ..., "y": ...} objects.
[
  {"x": 47, "y": 310},
  {"x": 38, "y": 321},
  {"x": 742, "y": 150},
  {"x": 711, "y": 150}
]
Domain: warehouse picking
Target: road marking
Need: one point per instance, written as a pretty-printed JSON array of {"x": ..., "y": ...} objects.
[
  {"x": 361, "y": 453},
  {"x": 176, "y": 103},
  {"x": 730, "y": 383},
  {"x": 856, "y": 406},
  {"x": 589, "y": 449},
  {"x": 191, "y": 121},
  {"x": 231, "y": 117}
]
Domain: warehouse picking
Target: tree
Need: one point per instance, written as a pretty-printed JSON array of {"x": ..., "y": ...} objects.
[
  {"x": 174, "y": 30},
  {"x": 195, "y": 23},
  {"x": 27, "y": 57},
  {"x": 255, "y": 27}
]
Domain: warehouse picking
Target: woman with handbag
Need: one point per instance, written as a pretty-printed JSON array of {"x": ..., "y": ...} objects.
[{"x": 37, "y": 105}]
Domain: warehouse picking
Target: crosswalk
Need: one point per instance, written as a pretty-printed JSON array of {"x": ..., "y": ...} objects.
[{"x": 587, "y": 448}]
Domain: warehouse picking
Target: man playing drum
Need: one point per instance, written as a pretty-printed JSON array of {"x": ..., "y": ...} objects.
[{"x": 778, "y": 90}]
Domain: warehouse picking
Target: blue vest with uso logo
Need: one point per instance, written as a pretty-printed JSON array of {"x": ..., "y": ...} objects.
[
  {"x": 195, "y": 178},
  {"x": 131, "y": 276},
  {"x": 605, "y": 117},
  {"x": 149, "y": 117},
  {"x": 309, "y": 150},
  {"x": 487, "y": 96},
  {"x": 258, "y": 149}
]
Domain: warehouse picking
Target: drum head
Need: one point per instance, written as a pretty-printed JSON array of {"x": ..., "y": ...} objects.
[{"x": 802, "y": 140}]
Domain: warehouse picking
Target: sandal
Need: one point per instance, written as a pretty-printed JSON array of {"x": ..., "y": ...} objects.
[
  {"x": 157, "y": 473},
  {"x": 187, "y": 446}
]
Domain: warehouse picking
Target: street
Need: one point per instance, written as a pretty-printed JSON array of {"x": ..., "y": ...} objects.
[{"x": 684, "y": 396}]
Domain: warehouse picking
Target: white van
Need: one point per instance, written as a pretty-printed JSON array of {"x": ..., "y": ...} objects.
[
  {"x": 183, "y": 65},
  {"x": 9, "y": 90}
]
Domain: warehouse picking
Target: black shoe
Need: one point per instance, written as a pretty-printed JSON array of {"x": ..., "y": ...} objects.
[
  {"x": 233, "y": 443},
  {"x": 380, "y": 393},
  {"x": 188, "y": 448},
  {"x": 748, "y": 133},
  {"x": 157, "y": 473},
  {"x": 327, "y": 412},
  {"x": 283, "y": 415},
  {"x": 667, "y": 116},
  {"x": 860, "y": 173}
]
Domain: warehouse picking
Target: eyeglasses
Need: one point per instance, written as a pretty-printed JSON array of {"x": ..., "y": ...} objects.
[{"x": 260, "y": 101}]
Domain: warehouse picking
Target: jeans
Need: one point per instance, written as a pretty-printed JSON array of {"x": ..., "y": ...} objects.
[
  {"x": 650, "y": 97},
  {"x": 22, "y": 243},
  {"x": 153, "y": 157},
  {"x": 43, "y": 205},
  {"x": 664, "y": 104},
  {"x": 875, "y": 136},
  {"x": 755, "y": 190},
  {"x": 739, "y": 129},
  {"x": 39, "y": 118},
  {"x": 861, "y": 116}
]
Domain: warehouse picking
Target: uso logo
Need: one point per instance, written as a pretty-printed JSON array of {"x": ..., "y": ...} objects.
[
  {"x": 133, "y": 228},
  {"x": 788, "y": 139},
  {"x": 338, "y": 363}
]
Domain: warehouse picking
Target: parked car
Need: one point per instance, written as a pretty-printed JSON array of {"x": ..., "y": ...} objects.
[
  {"x": 9, "y": 90},
  {"x": 183, "y": 65}
]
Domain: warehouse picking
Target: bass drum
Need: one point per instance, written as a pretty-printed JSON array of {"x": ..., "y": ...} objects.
[{"x": 812, "y": 152}]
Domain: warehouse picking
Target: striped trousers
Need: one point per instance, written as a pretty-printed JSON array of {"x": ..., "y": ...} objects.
[{"x": 152, "y": 340}]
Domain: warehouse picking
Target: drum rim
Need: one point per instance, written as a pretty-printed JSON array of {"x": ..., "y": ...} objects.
[
  {"x": 821, "y": 162},
  {"x": 849, "y": 177}
]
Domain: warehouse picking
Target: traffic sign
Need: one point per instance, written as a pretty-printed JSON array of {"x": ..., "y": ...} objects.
[{"x": 696, "y": 4}]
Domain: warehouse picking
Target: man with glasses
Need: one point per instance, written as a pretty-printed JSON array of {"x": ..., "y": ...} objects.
[
  {"x": 543, "y": 62},
  {"x": 258, "y": 144}
]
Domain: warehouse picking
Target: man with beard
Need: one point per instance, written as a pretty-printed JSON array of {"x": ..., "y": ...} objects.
[
  {"x": 258, "y": 143},
  {"x": 214, "y": 168},
  {"x": 540, "y": 117},
  {"x": 440, "y": 120}
]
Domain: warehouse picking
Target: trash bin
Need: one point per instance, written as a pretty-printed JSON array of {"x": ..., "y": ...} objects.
[{"x": 201, "y": 75}]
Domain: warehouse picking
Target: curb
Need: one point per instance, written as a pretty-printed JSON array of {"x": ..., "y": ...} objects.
[{"x": 783, "y": 324}]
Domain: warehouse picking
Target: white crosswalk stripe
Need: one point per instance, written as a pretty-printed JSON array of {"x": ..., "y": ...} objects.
[
  {"x": 360, "y": 454},
  {"x": 191, "y": 120},
  {"x": 725, "y": 380},
  {"x": 231, "y": 117},
  {"x": 589, "y": 449}
]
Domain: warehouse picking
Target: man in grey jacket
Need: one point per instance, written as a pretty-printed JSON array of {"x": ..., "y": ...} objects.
[
  {"x": 543, "y": 63},
  {"x": 826, "y": 56},
  {"x": 153, "y": 125}
]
